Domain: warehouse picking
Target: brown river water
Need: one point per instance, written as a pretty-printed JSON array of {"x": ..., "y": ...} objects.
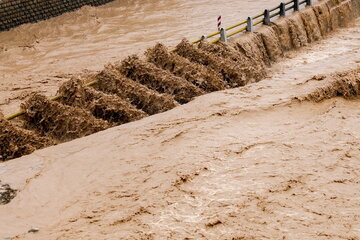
[
  {"x": 92, "y": 36},
  {"x": 275, "y": 159},
  {"x": 39, "y": 57}
]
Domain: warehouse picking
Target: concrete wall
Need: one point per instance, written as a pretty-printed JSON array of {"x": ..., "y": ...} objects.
[{"x": 16, "y": 12}]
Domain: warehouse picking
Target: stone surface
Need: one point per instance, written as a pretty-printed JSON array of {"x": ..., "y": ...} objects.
[{"x": 15, "y": 12}]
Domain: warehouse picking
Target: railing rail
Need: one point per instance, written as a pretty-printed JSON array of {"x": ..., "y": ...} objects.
[{"x": 266, "y": 17}]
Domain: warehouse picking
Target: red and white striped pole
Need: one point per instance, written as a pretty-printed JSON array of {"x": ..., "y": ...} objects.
[
  {"x": 222, "y": 31},
  {"x": 219, "y": 22}
]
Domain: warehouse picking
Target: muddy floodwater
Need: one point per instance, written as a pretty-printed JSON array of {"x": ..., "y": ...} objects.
[
  {"x": 254, "y": 139},
  {"x": 92, "y": 36}
]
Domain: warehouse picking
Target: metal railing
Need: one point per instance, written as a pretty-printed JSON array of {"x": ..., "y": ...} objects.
[{"x": 248, "y": 25}]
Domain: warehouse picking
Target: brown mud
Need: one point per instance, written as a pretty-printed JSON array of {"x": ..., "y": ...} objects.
[
  {"x": 297, "y": 31},
  {"x": 282, "y": 29},
  {"x": 323, "y": 16},
  {"x": 341, "y": 15},
  {"x": 311, "y": 24},
  {"x": 253, "y": 47},
  {"x": 202, "y": 77},
  {"x": 150, "y": 101},
  {"x": 16, "y": 142},
  {"x": 344, "y": 84},
  {"x": 107, "y": 107},
  {"x": 246, "y": 69},
  {"x": 6, "y": 193},
  {"x": 230, "y": 72},
  {"x": 157, "y": 79},
  {"x": 355, "y": 8},
  {"x": 61, "y": 122},
  {"x": 272, "y": 43}
]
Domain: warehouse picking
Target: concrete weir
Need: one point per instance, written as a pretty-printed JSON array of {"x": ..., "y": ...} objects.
[{"x": 13, "y": 13}]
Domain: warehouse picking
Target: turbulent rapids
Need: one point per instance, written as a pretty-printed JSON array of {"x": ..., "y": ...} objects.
[{"x": 141, "y": 86}]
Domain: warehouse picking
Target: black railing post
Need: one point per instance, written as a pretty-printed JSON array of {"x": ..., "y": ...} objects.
[
  {"x": 266, "y": 17},
  {"x": 296, "y": 5},
  {"x": 282, "y": 9},
  {"x": 308, "y": 2},
  {"x": 250, "y": 25},
  {"x": 223, "y": 36}
]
